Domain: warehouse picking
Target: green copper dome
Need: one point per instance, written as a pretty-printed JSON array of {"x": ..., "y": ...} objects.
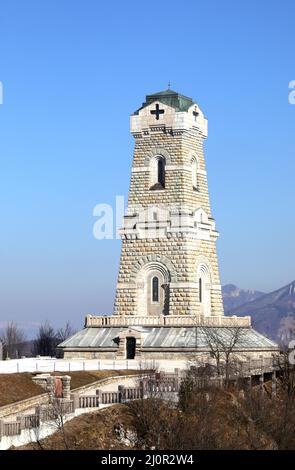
[{"x": 170, "y": 98}]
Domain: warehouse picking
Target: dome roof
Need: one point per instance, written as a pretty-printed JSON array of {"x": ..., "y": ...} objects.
[{"x": 170, "y": 98}]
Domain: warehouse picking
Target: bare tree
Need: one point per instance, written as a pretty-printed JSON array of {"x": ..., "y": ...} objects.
[
  {"x": 198, "y": 377},
  {"x": 64, "y": 333},
  {"x": 222, "y": 344},
  {"x": 274, "y": 415},
  {"x": 59, "y": 412},
  {"x": 286, "y": 331},
  {"x": 54, "y": 413},
  {"x": 48, "y": 338},
  {"x": 13, "y": 339},
  {"x": 46, "y": 341},
  {"x": 150, "y": 415}
]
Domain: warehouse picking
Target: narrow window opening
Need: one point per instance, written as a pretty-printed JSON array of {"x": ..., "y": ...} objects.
[
  {"x": 194, "y": 175},
  {"x": 158, "y": 173},
  {"x": 155, "y": 289},
  {"x": 161, "y": 173},
  {"x": 200, "y": 290}
]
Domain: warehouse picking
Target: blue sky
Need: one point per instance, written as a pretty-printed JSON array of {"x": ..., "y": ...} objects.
[{"x": 72, "y": 73}]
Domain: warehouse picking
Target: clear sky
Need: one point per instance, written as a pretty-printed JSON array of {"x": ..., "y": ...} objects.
[{"x": 72, "y": 73}]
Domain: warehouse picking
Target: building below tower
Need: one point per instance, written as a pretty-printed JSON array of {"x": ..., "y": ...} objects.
[{"x": 176, "y": 338}]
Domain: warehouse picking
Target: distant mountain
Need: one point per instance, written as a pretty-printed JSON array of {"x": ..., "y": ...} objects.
[
  {"x": 234, "y": 297},
  {"x": 272, "y": 314}
]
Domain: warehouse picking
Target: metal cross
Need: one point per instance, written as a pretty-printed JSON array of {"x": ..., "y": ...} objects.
[
  {"x": 195, "y": 113},
  {"x": 157, "y": 111}
]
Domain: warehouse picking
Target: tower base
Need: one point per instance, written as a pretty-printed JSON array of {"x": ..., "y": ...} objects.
[{"x": 166, "y": 337}]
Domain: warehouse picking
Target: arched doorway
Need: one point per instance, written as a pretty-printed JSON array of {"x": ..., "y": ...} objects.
[{"x": 130, "y": 347}]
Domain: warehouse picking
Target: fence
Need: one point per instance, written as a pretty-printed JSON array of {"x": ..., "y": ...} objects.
[
  {"x": 159, "y": 383},
  {"x": 108, "y": 398},
  {"x": 55, "y": 410},
  {"x": 60, "y": 365},
  {"x": 134, "y": 393},
  {"x": 30, "y": 421},
  {"x": 42, "y": 413},
  {"x": 162, "y": 385},
  {"x": 89, "y": 401},
  {"x": 59, "y": 408},
  {"x": 11, "y": 429}
]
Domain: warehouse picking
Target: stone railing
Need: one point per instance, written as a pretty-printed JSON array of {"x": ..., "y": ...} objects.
[
  {"x": 164, "y": 386},
  {"x": 30, "y": 421},
  {"x": 42, "y": 413},
  {"x": 89, "y": 401},
  {"x": 108, "y": 398},
  {"x": 131, "y": 393},
  {"x": 11, "y": 429},
  {"x": 169, "y": 320}
]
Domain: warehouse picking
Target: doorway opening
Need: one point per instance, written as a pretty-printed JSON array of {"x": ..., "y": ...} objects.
[{"x": 130, "y": 347}]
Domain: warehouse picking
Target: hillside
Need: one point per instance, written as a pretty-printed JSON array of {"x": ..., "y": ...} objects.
[
  {"x": 272, "y": 314},
  {"x": 17, "y": 387},
  {"x": 221, "y": 423},
  {"x": 233, "y": 296}
]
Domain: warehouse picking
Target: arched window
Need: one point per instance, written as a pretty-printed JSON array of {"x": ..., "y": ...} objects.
[
  {"x": 155, "y": 289},
  {"x": 205, "y": 288},
  {"x": 200, "y": 290},
  {"x": 157, "y": 173},
  {"x": 194, "y": 173}
]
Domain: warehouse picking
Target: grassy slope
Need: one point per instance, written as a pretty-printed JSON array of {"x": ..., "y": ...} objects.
[
  {"x": 89, "y": 431},
  {"x": 16, "y": 387}
]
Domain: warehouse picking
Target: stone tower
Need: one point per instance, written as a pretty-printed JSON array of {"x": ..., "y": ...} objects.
[
  {"x": 168, "y": 286},
  {"x": 168, "y": 264}
]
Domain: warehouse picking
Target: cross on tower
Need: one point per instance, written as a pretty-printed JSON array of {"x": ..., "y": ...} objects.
[
  {"x": 157, "y": 111},
  {"x": 195, "y": 113}
]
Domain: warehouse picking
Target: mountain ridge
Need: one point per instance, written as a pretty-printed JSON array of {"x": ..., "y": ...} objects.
[
  {"x": 234, "y": 296},
  {"x": 273, "y": 313}
]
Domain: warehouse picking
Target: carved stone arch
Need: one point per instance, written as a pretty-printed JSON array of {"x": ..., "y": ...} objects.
[
  {"x": 156, "y": 259},
  {"x": 157, "y": 151},
  {"x": 155, "y": 266},
  {"x": 194, "y": 157},
  {"x": 203, "y": 265}
]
